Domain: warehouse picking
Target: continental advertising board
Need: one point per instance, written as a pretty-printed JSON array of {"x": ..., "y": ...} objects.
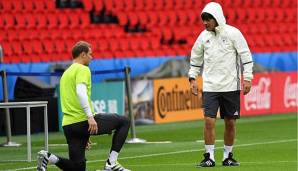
[{"x": 173, "y": 100}]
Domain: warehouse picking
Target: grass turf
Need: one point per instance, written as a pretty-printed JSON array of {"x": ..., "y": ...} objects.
[{"x": 262, "y": 143}]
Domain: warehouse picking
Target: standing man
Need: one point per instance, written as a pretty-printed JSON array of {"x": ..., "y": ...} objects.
[
  {"x": 79, "y": 121},
  {"x": 219, "y": 51}
]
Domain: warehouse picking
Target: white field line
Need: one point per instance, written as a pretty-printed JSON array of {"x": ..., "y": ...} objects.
[
  {"x": 201, "y": 141},
  {"x": 178, "y": 152},
  {"x": 157, "y": 142},
  {"x": 58, "y": 145},
  {"x": 147, "y": 142},
  {"x": 187, "y": 164}
]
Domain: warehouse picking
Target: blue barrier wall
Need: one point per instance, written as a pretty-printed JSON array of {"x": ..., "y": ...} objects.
[{"x": 279, "y": 61}]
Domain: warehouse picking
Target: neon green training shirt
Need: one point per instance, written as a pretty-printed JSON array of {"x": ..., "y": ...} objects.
[{"x": 70, "y": 103}]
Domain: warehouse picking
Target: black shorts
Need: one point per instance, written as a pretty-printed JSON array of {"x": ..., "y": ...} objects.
[{"x": 227, "y": 102}]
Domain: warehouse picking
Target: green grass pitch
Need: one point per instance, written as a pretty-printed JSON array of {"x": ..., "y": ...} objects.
[{"x": 262, "y": 143}]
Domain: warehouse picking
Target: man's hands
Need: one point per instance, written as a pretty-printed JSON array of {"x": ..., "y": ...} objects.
[
  {"x": 92, "y": 126},
  {"x": 246, "y": 86},
  {"x": 193, "y": 87}
]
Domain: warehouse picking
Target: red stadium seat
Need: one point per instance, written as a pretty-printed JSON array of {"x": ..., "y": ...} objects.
[
  {"x": 163, "y": 18},
  {"x": 256, "y": 4},
  {"x": 188, "y": 4},
  {"x": 169, "y": 4},
  {"x": 84, "y": 20},
  {"x": 36, "y": 58},
  {"x": 124, "y": 45},
  {"x": 182, "y": 17},
  {"x": 88, "y": 5},
  {"x": 28, "y": 6},
  {"x": 139, "y": 5},
  {"x": 103, "y": 45},
  {"x": 33, "y": 34},
  {"x": 23, "y": 34},
  {"x": 118, "y": 6},
  {"x": 26, "y": 58},
  {"x": 58, "y": 33},
  {"x": 17, "y": 48},
  {"x": 9, "y": 20},
  {"x": 154, "y": 43},
  {"x": 158, "y": 5},
  {"x": 31, "y": 20},
  {"x": 7, "y": 5},
  {"x": 114, "y": 45},
  {"x": 60, "y": 46},
  {"x": 2, "y": 22},
  {"x": 129, "y": 5},
  {"x": 63, "y": 19},
  {"x": 49, "y": 46},
  {"x": 42, "y": 20},
  {"x": 17, "y": 6},
  {"x": 149, "y": 5},
  {"x": 122, "y": 18},
  {"x": 52, "y": 20},
  {"x": 231, "y": 15},
  {"x": 50, "y": 5},
  {"x": 73, "y": 17},
  {"x": 7, "y": 49},
  {"x": 98, "y": 5},
  {"x": 193, "y": 17},
  {"x": 108, "y": 4},
  {"x": 129, "y": 53},
  {"x": 283, "y": 28},
  {"x": 28, "y": 49},
  {"x": 252, "y": 15},
  {"x": 153, "y": 19},
  {"x": 37, "y": 47},
  {"x": 119, "y": 32},
  {"x": 144, "y": 43},
  {"x": 179, "y": 4},
  {"x": 132, "y": 18},
  {"x": 39, "y": 5},
  {"x": 3, "y": 35},
  {"x": 77, "y": 33},
  {"x": 173, "y": 18},
  {"x": 20, "y": 20},
  {"x": 143, "y": 18},
  {"x": 11, "y": 34},
  {"x": 291, "y": 15}
]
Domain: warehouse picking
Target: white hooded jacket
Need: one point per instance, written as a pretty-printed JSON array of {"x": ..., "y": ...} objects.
[{"x": 220, "y": 53}]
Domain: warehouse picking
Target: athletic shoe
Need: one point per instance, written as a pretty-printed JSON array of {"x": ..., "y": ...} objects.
[
  {"x": 206, "y": 162},
  {"x": 116, "y": 167},
  {"x": 230, "y": 161},
  {"x": 42, "y": 160}
]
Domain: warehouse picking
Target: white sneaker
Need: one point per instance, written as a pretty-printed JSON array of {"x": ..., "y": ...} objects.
[
  {"x": 116, "y": 167},
  {"x": 42, "y": 160}
]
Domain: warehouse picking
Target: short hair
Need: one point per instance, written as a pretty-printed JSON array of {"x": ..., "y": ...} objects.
[
  {"x": 80, "y": 47},
  {"x": 206, "y": 16}
]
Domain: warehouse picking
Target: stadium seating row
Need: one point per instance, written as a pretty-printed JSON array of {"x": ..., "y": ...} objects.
[
  {"x": 148, "y": 19},
  {"x": 145, "y": 5},
  {"x": 138, "y": 45},
  {"x": 42, "y": 19},
  {"x": 27, "y": 5}
]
